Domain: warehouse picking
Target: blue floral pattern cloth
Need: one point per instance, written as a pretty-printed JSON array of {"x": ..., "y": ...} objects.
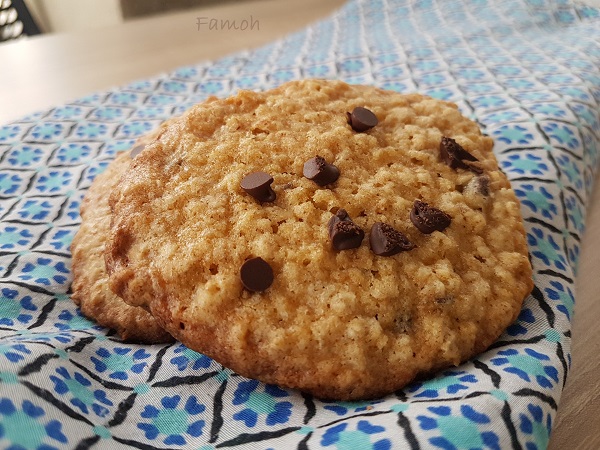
[{"x": 528, "y": 71}]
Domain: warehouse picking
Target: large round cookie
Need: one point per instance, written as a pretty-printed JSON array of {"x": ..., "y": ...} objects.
[
  {"x": 340, "y": 324},
  {"x": 90, "y": 280}
]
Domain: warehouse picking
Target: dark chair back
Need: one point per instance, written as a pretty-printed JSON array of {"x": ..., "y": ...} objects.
[{"x": 16, "y": 20}]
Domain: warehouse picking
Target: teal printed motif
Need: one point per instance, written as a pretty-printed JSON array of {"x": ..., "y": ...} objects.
[
  {"x": 261, "y": 401},
  {"x": 450, "y": 383},
  {"x": 67, "y": 112},
  {"x": 528, "y": 365},
  {"x": 175, "y": 422},
  {"x": 538, "y": 201},
  {"x": 7, "y": 133},
  {"x": 459, "y": 431},
  {"x": 45, "y": 271},
  {"x": 78, "y": 388},
  {"x": 53, "y": 181},
  {"x": 67, "y": 320},
  {"x": 15, "y": 310},
  {"x": 47, "y": 131},
  {"x": 120, "y": 362},
  {"x": 187, "y": 358},
  {"x": 14, "y": 237},
  {"x": 14, "y": 353},
  {"x": 516, "y": 134},
  {"x": 10, "y": 183},
  {"x": 564, "y": 297},
  {"x": 73, "y": 153},
  {"x": 35, "y": 210},
  {"x": 340, "y": 437},
  {"x": 26, "y": 427},
  {"x": 25, "y": 156},
  {"x": 537, "y": 425},
  {"x": 526, "y": 163}
]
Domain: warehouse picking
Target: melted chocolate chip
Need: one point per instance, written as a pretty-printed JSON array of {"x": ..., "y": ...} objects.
[
  {"x": 447, "y": 300},
  {"x": 258, "y": 185},
  {"x": 479, "y": 185},
  {"x": 320, "y": 171},
  {"x": 428, "y": 219},
  {"x": 453, "y": 154},
  {"x": 344, "y": 233},
  {"x": 387, "y": 241},
  {"x": 136, "y": 150},
  {"x": 362, "y": 119},
  {"x": 256, "y": 274}
]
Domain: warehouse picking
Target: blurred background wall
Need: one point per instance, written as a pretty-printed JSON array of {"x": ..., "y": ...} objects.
[{"x": 69, "y": 15}]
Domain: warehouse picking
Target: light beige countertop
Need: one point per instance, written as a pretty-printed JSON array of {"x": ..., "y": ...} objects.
[{"x": 47, "y": 70}]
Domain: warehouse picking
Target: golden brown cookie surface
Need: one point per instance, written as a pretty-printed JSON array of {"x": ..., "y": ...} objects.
[
  {"x": 357, "y": 322},
  {"x": 90, "y": 284}
]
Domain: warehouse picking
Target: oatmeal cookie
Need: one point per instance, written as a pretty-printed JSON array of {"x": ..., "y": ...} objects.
[
  {"x": 90, "y": 280},
  {"x": 337, "y": 239}
]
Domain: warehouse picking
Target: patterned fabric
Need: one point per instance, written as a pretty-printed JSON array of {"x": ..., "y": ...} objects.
[{"x": 526, "y": 70}]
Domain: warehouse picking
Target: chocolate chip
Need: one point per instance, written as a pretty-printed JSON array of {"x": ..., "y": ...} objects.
[
  {"x": 478, "y": 185},
  {"x": 427, "y": 219},
  {"x": 344, "y": 233},
  {"x": 256, "y": 274},
  {"x": 362, "y": 119},
  {"x": 453, "y": 154},
  {"x": 258, "y": 185},
  {"x": 136, "y": 150},
  {"x": 387, "y": 241},
  {"x": 320, "y": 171},
  {"x": 446, "y": 300}
]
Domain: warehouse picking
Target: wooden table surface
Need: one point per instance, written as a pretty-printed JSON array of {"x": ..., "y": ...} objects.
[{"x": 47, "y": 70}]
